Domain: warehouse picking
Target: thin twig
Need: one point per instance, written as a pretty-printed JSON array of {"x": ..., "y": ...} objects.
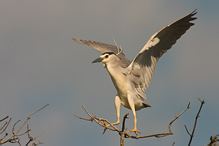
[
  {"x": 37, "y": 110},
  {"x": 5, "y": 126},
  {"x": 30, "y": 137},
  {"x": 99, "y": 121},
  {"x": 85, "y": 118},
  {"x": 36, "y": 144},
  {"x": 177, "y": 116},
  {"x": 196, "y": 120},
  {"x": 188, "y": 131},
  {"x": 13, "y": 131},
  {"x": 122, "y": 133},
  {"x": 14, "y": 138},
  {"x": 123, "y": 123},
  {"x": 5, "y": 130},
  {"x": 4, "y": 118}
]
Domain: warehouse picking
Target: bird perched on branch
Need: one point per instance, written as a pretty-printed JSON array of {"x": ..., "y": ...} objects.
[{"x": 131, "y": 79}]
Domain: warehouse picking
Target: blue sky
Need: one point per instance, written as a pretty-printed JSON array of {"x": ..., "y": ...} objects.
[{"x": 40, "y": 64}]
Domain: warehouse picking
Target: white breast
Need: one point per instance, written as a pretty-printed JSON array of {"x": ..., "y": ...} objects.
[{"x": 119, "y": 80}]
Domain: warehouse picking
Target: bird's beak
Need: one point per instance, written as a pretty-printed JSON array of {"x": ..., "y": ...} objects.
[{"x": 97, "y": 60}]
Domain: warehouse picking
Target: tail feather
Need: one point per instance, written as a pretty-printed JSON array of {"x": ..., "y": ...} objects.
[{"x": 146, "y": 105}]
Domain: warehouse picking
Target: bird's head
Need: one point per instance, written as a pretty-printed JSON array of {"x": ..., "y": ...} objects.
[{"x": 106, "y": 58}]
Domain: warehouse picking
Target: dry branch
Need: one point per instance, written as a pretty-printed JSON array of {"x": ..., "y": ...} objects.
[
  {"x": 103, "y": 123},
  {"x": 15, "y": 136},
  {"x": 213, "y": 140},
  {"x": 196, "y": 120}
]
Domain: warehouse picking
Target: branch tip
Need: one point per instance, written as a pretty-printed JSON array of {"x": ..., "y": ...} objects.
[
  {"x": 188, "y": 106},
  {"x": 196, "y": 120},
  {"x": 202, "y": 101}
]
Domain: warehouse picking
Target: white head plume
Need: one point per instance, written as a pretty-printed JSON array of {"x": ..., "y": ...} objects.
[{"x": 119, "y": 49}]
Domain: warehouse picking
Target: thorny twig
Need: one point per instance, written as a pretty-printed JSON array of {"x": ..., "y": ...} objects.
[
  {"x": 196, "y": 120},
  {"x": 15, "y": 136},
  {"x": 102, "y": 122}
]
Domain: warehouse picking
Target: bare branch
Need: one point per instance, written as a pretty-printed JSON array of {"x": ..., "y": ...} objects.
[
  {"x": 213, "y": 140},
  {"x": 36, "y": 144},
  {"x": 102, "y": 122},
  {"x": 122, "y": 133},
  {"x": 158, "y": 135},
  {"x": 13, "y": 131},
  {"x": 84, "y": 118},
  {"x": 196, "y": 120},
  {"x": 5, "y": 130},
  {"x": 188, "y": 131},
  {"x": 14, "y": 138},
  {"x": 123, "y": 123},
  {"x": 177, "y": 116},
  {"x": 5, "y": 126},
  {"x": 4, "y": 118},
  {"x": 32, "y": 138},
  {"x": 37, "y": 110}
]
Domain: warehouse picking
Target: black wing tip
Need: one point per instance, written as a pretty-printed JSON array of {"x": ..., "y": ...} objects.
[
  {"x": 192, "y": 14},
  {"x": 193, "y": 18}
]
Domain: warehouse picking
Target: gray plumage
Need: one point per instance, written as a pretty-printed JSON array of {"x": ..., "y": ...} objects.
[{"x": 131, "y": 79}]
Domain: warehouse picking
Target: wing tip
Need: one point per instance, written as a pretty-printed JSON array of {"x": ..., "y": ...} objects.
[
  {"x": 76, "y": 40},
  {"x": 192, "y": 14},
  {"x": 81, "y": 41}
]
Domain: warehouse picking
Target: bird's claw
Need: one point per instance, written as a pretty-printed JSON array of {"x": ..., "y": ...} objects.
[
  {"x": 134, "y": 130},
  {"x": 108, "y": 125},
  {"x": 104, "y": 123}
]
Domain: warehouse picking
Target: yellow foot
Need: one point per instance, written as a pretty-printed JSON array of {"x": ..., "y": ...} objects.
[
  {"x": 116, "y": 123},
  {"x": 104, "y": 123},
  {"x": 106, "y": 126},
  {"x": 134, "y": 130}
]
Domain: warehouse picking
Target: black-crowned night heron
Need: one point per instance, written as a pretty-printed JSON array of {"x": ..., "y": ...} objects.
[{"x": 131, "y": 79}]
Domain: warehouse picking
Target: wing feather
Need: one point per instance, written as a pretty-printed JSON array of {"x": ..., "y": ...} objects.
[
  {"x": 144, "y": 63},
  {"x": 103, "y": 48}
]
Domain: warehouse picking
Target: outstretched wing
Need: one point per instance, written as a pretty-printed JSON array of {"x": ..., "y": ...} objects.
[
  {"x": 103, "y": 48},
  {"x": 143, "y": 65}
]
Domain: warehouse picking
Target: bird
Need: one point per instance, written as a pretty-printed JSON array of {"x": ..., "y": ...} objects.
[{"x": 132, "y": 78}]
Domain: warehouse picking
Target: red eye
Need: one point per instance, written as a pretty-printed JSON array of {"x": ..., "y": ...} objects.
[{"x": 106, "y": 56}]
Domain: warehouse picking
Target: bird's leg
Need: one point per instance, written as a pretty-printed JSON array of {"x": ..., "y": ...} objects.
[
  {"x": 135, "y": 128},
  {"x": 132, "y": 105},
  {"x": 117, "y": 106}
]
